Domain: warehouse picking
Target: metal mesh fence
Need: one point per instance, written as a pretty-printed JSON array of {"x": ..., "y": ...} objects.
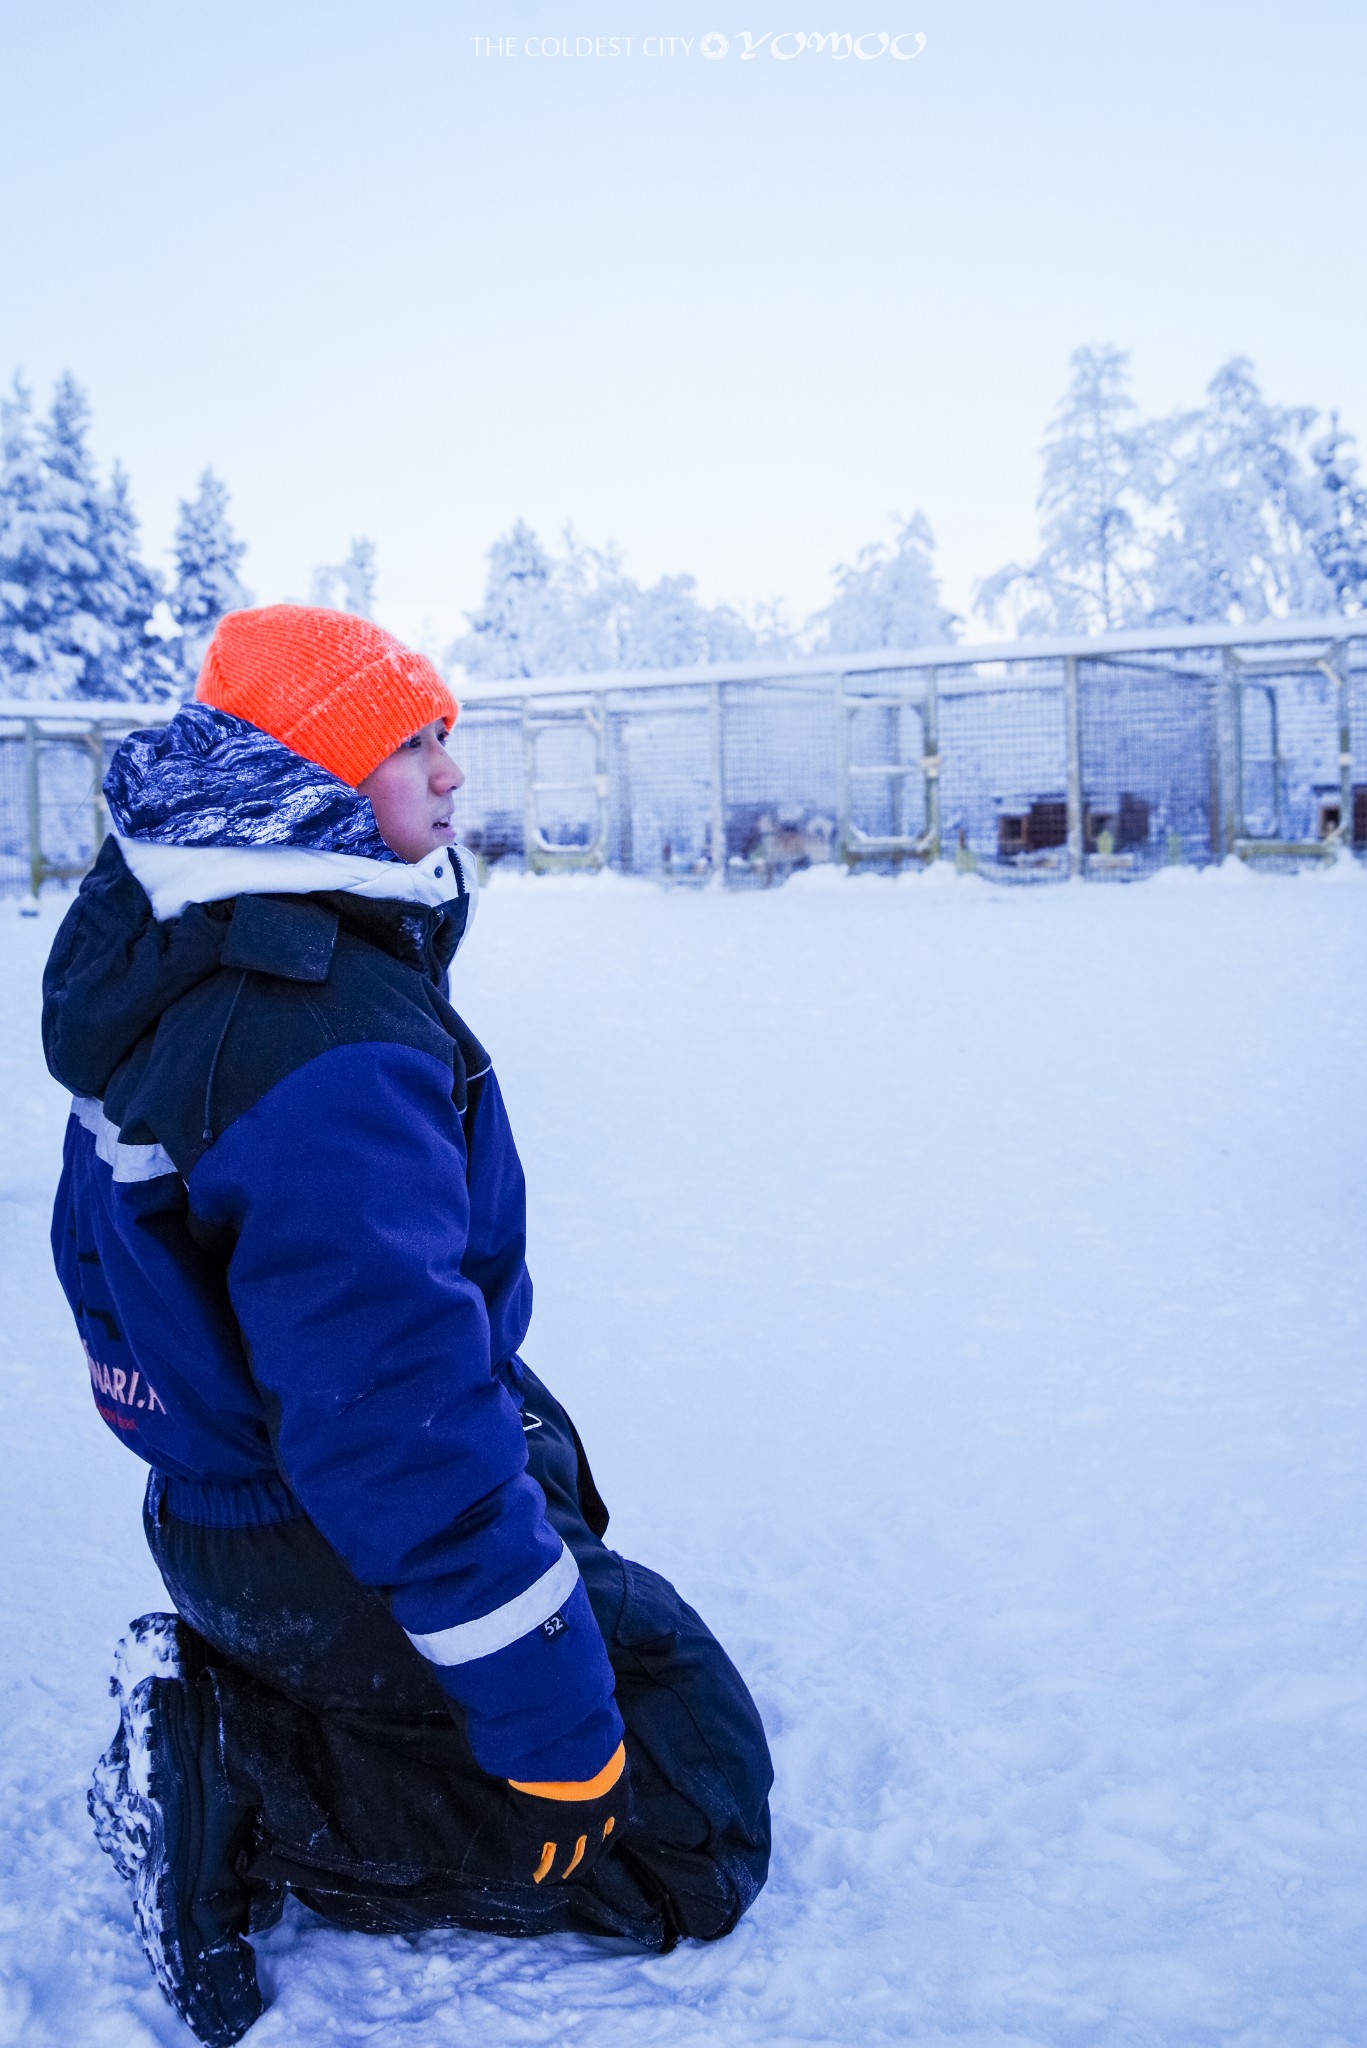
[
  {"x": 15, "y": 866},
  {"x": 489, "y": 809},
  {"x": 658, "y": 764},
  {"x": 1287, "y": 755},
  {"x": 1149, "y": 767},
  {"x": 1004, "y": 774},
  {"x": 779, "y": 759},
  {"x": 1355, "y": 826},
  {"x": 1030, "y": 762},
  {"x": 885, "y": 739},
  {"x": 69, "y": 774},
  {"x": 53, "y": 759}
]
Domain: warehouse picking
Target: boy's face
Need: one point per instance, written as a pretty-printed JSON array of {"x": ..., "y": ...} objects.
[{"x": 411, "y": 793}]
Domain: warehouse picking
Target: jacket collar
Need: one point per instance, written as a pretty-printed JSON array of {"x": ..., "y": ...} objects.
[
  {"x": 421, "y": 935},
  {"x": 293, "y": 937},
  {"x": 174, "y": 877}
]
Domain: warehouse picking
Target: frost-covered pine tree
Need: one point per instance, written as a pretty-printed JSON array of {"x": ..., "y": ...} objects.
[
  {"x": 81, "y": 649},
  {"x": 667, "y": 626},
  {"x": 76, "y": 600},
  {"x": 141, "y": 663},
  {"x": 358, "y": 579},
  {"x": 1242, "y": 509},
  {"x": 890, "y": 597},
  {"x": 1341, "y": 528},
  {"x": 206, "y": 584},
  {"x": 545, "y": 614},
  {"x": 27, "y": 593},
  {"x": 1100, "y": 479},
  {"x": 348, "y": 586},
  {"x": 507, "y": 633}
]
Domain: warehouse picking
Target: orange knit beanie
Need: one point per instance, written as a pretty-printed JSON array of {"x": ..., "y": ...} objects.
[{"x": 337, "y": 689}]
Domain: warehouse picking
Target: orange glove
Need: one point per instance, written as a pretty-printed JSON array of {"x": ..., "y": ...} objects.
[{"x": 565, "y": 1828}]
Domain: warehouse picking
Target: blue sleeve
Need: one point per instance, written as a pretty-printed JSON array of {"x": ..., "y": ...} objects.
[{"x": 345, "y": 1190}]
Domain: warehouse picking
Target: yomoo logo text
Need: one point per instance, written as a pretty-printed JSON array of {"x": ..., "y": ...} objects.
[
  {"x": 784, "y": 44},
  {"x": 795, "y": 42}
]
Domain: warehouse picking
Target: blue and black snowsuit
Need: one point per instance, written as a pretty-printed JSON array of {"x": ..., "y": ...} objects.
[{"x": 291, "y": 1228}]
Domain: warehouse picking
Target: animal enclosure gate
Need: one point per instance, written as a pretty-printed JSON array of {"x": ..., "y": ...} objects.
[
  {"x": 1030, "y": 760},
  {"x": 1106, "y": 758}
]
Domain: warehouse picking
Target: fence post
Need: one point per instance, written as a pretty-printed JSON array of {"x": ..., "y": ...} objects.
[
  {"x": 842, "y": 739},
  {"x": 1215, "y": 779},
  {"x": 99, "y": 824},
  {"x": 717, "y": 769},
  {"x": 35, "y": 808},
  {"x": 601, "y": 784},
  {"x": 530, "y": 814},
  {"x": 1339, "y": 658},
  {"x": 1232, "y": 753},
  {"x": 1072, "y": 721},
  {"x": 931, "y": 729}
]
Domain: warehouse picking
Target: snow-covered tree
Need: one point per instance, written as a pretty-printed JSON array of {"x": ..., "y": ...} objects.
[
  {"x": 358, "y": 578},
  {"x": 25, "y": 584},
  {"x": 348, "y": 586},
  {"x": 1243, "y": 510},
  {"x": 508, "y": 632},
  {"x": 1100, "y": 478},
  {"x": 141, "y": 664},
  {"x": 81, "y": 646},
  {"x": 666, "y": 626},
  {"x": 1224, "y": 513},
  {"x": 545, "y": 614},
  {"x": 1341, "y": 527},
  {"x": 206, "y": 584},
  {"x": 76, "y": 600},
  {"x": 890, "y": 597}
]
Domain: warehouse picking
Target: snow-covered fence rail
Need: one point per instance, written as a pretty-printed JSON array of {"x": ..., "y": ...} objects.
[{"x": 1104, "y": 757}]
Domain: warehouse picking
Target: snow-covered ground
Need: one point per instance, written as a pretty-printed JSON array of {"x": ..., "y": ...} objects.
[{"x": 961, "y": 1291}]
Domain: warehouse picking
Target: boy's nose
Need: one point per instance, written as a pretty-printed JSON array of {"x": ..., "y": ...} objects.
[{"x": 447, "y": 775}]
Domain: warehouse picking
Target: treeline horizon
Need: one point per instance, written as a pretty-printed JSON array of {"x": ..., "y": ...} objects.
[{"x": 1232, "y": 512}]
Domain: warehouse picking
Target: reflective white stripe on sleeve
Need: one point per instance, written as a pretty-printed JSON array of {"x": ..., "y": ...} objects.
[
  {"x": 128, "y": 1162},
  {"x": 490, "y": 1632}
]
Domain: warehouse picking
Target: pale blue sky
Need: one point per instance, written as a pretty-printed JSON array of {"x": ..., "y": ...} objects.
[{"x": 730, "y": 314}]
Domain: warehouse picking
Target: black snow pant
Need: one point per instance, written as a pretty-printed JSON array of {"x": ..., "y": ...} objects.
[{"x": 353, "y": 1772}]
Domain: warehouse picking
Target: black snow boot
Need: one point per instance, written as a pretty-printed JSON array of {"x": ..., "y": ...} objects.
[
  {"x": 156, "y": 1646},
  {"x": 164, "y": 1812},
  {"x": 191, "y": 1905}
]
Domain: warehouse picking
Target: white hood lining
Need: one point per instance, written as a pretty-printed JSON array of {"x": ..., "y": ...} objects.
[{"x": 176, "y": 876}]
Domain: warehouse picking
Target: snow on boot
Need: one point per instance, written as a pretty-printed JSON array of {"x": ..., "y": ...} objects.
[
  {"x": 189, "y": 1902},
  {"x": 155, "y": 1646}
]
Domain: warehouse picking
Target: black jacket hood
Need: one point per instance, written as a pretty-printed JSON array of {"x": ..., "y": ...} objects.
[{"x": 114, "y": 969}]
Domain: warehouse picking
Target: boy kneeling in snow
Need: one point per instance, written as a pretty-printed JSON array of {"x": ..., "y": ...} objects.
[{"x": 405, "y": 1676}]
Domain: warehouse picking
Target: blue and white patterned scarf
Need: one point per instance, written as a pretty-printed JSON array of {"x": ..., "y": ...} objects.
[{"x": 209, "y": 779}]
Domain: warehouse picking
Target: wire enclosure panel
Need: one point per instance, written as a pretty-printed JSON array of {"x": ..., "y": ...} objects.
[
  {"x": 1029, "y": 761},
  {"x": 1149, "y": 767},
  {"x": 489, "y": 809},
  {"x": 660, "y": 784},
  {"x": 15, "y": 868},
  {"x": 1004, "y": 772}
]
